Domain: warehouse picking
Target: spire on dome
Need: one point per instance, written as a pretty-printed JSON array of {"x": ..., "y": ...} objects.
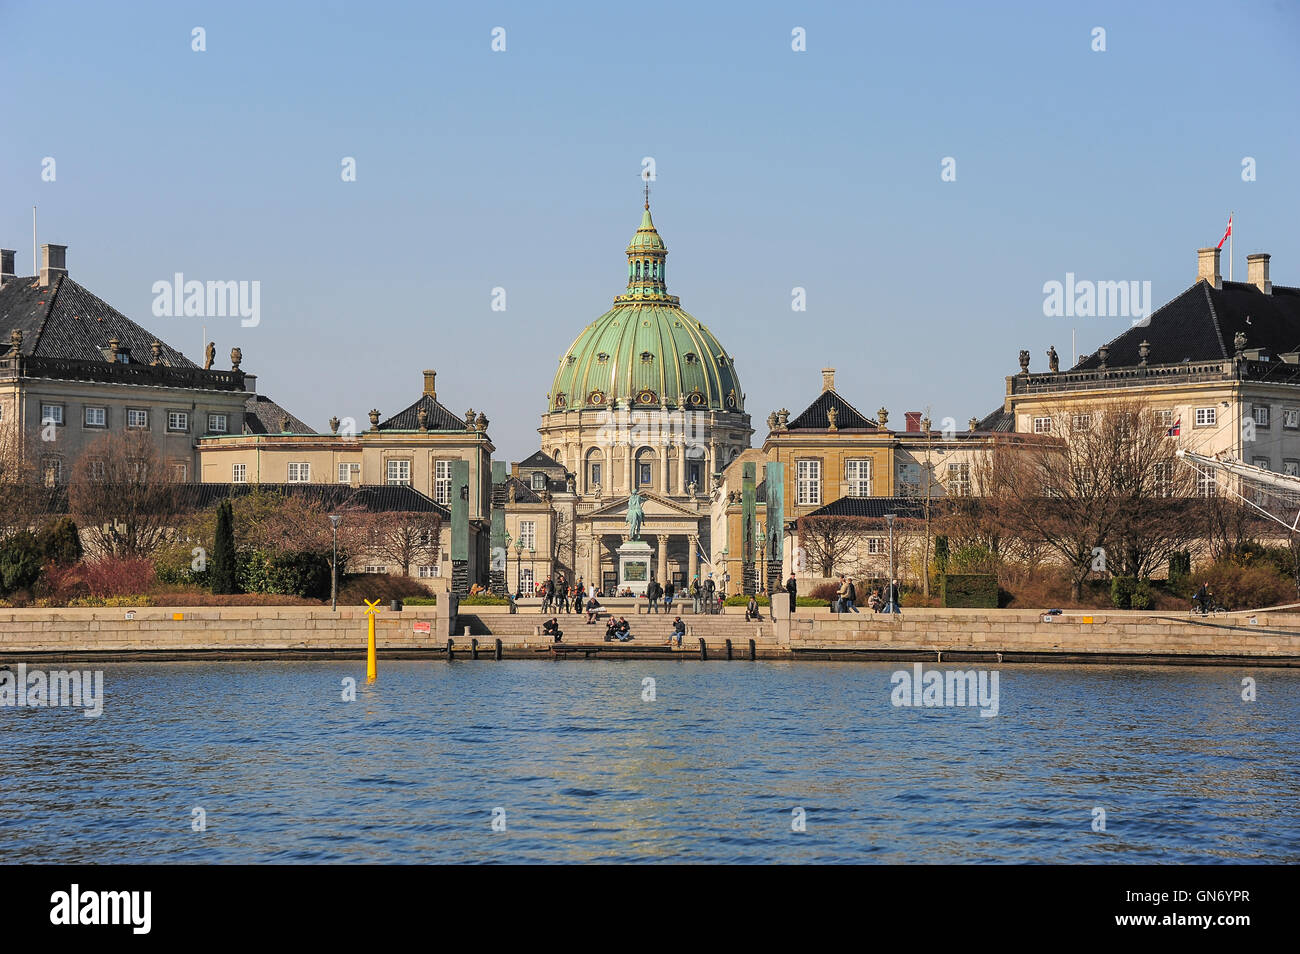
[{"x": 645, "y": 260}]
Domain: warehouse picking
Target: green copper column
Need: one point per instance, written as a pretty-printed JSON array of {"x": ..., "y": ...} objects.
[
  {"x": 748, "y": 530},
  {"x": 460, "y": 526},
  {"x": 775, "y": 523},
  {"x": 499, "y": 541}
]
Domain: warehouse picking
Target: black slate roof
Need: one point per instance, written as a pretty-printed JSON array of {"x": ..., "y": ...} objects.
[
  {"x": 440, "y": 418},
  {"x": 264, "y": 416},
  {"x": 904, "y": 507},
  {"x": 64, "y": 320},
  {"x": 523, "y": 491},
  {"x": 374, "y": 498},
  {"x": 540, "y": 459},
  {"x": 847, "y": 417},
  {"x": 1200, "y": 324},
  {"x": 998, "y": 422}
]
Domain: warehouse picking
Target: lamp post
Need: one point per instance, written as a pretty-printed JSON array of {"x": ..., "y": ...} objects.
[
  {"x": 531, "y": 569},
  {"x": 335, "y": 520},
  {"x": 889, "y": 520},
  {"x": 760, "y": 584},
  {"x": 519, "y": 566}
]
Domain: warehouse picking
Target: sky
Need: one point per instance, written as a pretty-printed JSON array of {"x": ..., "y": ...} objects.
[{"x": 520, "y": 169}]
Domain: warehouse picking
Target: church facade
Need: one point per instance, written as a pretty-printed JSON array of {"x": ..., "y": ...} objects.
[{"x": 645, "y": 401}]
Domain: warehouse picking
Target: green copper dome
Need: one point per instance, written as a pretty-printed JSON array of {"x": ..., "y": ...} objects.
[{"x": 646, "y": 351}]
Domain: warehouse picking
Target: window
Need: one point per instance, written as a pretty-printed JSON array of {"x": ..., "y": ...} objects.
[
  {"x": 95, "y": 417},
  {"x": 526, "y": 580},
  {"x": 137, "y": 417},
  {"x": 808, "y": 482},
  {"x": 442, "y": 482},
  {"x": 1291, "y": 418},
  {"x": 528, "y": 534},
  {"x": 52, "y": 471},
  {"x": 239, "y": 473},
  {"x": 909, "y": 480},
  {"x": 1162, "y": 478},
  {"x": 52, "y": 414},
  {"x": 643, "y": 475},
  {"x": 693, "y": 472},
  {"x": 1206, "y": 416},
  {"x": 399, "y": 472},
  {"x": 857, "y": 473},
  {"x": 1080, "y": 422},
  {"x": 179, "y": 470},
  {"x": 375, "y": 568},
  {"x": 875, "y": 546},
  {"x": 1205, "y": 484},
  {"x": 1260, "y": 462},
  {"x": 959, "y": 480},
  {"x": 178, "y": 420},
  {"x": 595, "y": 475},
  {"x": 539, "y": 481},
  {"x": 96, "y": 470},
  {"x": 346, "y": 471},
  {"x": 217, "y": 423},
  {"x": 1261, "y": 414},
  {"x": 1291, "y": 468},
  {"x": 427, "y": 570},
  {"x": 300, "y": 473},
  {"x": 1042, "y": 425},
  {"x": 1165, "y": 417}
]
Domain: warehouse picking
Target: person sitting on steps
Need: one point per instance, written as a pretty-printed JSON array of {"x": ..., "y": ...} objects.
[
  {"x": 552, "y": 628},
  {"x": 679, "y": 631}
]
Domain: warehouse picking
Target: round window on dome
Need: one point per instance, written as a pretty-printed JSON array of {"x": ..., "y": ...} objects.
[
  {"x": 560, "y": 400},
  {"x": 646, "y": 397},
  {"x": 596, "y": 397}
]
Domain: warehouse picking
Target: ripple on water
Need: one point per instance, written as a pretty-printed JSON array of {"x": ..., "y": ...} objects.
[{"x": 712, "y": 771}]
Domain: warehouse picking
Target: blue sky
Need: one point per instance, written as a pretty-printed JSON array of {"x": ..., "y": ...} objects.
[{"x": 520, "y": 169}]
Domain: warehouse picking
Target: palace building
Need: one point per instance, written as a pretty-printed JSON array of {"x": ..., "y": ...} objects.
[{"x": 646, "y": 399}]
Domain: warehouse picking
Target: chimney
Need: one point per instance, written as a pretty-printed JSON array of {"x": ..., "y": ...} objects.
[
  {"x": 54, "y": 263},
  {"x": 428, "y": 384},
  {"x": 250, "y": 383},
  {"x": 913, "y": 421},
  {"x": 6, "y": 266},
  {"x": 1207, "y": 266},
  {"x": 1256, "y": 272},
  {"x": 828, "y": 379}
]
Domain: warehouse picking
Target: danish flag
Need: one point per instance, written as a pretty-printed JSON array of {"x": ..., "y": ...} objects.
[{"x": 1226, "y": 234}]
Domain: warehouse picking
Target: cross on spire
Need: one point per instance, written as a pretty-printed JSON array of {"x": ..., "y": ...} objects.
[{"x": 646, "y": 176}]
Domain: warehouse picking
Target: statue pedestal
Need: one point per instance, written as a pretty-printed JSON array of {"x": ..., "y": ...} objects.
[{"x": 634, "y": 566}]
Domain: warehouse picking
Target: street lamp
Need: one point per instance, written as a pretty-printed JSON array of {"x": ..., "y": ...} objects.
[
  {"x": 335, "y": 520},
  {"x": 889, "y": 520},
  {"x": 519, "y": 566}
]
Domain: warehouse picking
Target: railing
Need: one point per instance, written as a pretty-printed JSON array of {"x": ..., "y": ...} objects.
[{"x": 156, "y": 375}]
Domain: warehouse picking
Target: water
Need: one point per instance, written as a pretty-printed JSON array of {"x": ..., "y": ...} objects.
[{"x": 709, "y": 771}]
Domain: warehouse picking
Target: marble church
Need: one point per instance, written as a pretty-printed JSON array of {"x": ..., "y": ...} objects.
[{"x": 645, "y": 400}]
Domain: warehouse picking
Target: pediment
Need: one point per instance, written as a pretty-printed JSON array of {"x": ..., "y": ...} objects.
[{"x": 652, "y": 506}]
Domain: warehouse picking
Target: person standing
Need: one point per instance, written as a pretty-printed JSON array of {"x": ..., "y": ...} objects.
[
  {"x": 792, "y": 589},
  {"x": 653, "y": 592},
  {"x": 891, "y": 598},
  {"x": 548, "y": 593},
  {"x": 709, "y": 587},
  {"x": 695, "y": 596},
  {"x": 850, "y": 598},
  {"x": 669, "y": 592}
]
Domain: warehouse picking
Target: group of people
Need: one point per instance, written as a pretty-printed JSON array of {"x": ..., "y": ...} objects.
[
  {"x": 558, "y": 595},
  {"x": 618, "y": 629},
  {"x": 878, "y": 600}
]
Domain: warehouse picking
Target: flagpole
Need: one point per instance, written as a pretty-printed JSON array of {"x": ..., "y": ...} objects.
[{"x": 1229, "y": 246}]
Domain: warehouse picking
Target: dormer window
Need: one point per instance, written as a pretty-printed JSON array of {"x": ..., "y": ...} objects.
[
  {"x": 691, "y": 357},
  {"x": 647, "y": 357},
  {"x": 539, "y": 481},
  {"x": 602, "y": 357},
  {"x": 571, "y": 359}
]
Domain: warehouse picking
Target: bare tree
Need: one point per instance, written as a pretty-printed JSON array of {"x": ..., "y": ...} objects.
[
  {"x": 398, "y": 537},
  {"x": 23, "y": 502},
  {"x": 829, "y": 541},
  {"x": 1109, "y": 497},
  {"x": 124, "y": 495}
]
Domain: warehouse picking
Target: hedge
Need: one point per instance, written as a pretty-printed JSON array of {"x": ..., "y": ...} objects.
[{"x": 978, "y": 590}]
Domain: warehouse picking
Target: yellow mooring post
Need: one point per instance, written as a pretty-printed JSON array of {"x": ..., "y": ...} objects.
[{"x": 371, "y": 670}]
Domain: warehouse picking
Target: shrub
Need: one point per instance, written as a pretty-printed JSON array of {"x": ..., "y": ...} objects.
[
  {"x": 1142, "y": 597},
  {"x": 223, "y": 551},
  {"x": 1180, "y": 564},
  {"x": 741, "y": 600},
  {"x": 420, "y": 601},
  {"x": 484, "y": 599},
  {"x": 61, "y": 543},
  {"x": 825, "y": 591},
  {"x": 116, "y": 576},
  {"x": 377, "y": 586},
  {"x": 1121, "y": 591},
  {"x": 941, "y": 553},
  {"x": 968, "y": 589},
  {"x": 1248, "y": 587},
  {"x": 21, "y": 559}
]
